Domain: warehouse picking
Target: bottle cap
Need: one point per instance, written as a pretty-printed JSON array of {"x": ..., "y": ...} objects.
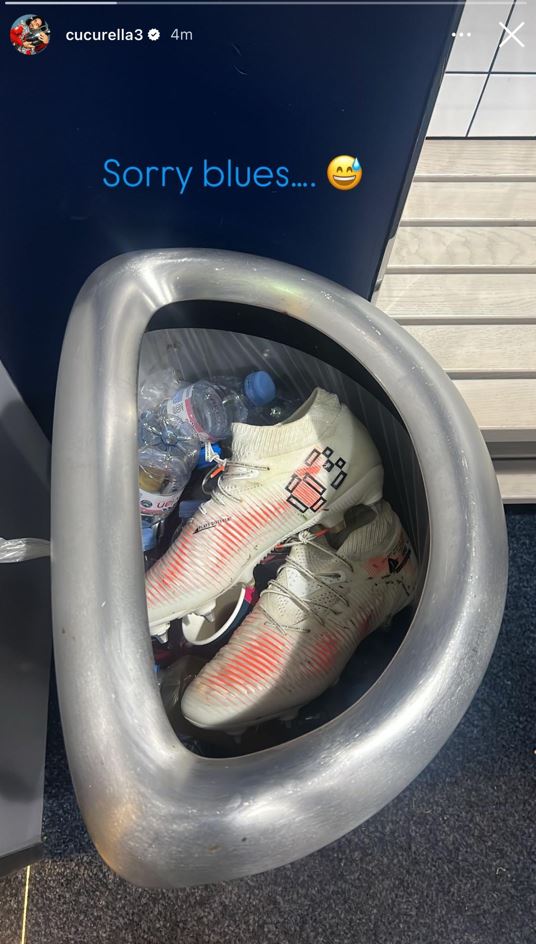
[
  {"x": 259, "y": 388},
  {"x": 203, "y": 462}
]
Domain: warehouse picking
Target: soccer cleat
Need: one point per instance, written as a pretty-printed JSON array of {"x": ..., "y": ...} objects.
[
  {"x": 281, "y": 479},
  {"x": 307, "y": 623}
]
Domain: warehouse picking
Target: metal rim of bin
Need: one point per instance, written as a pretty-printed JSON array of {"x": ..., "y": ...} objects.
[{"x": 158, "y": 814}]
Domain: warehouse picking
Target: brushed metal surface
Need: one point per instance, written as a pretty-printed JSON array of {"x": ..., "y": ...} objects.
[
  {"x": 25, "y": 631},
  {"x": 158, "y": 814}
]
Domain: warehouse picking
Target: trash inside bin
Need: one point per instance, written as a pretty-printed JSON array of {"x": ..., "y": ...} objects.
[
  {"x": 171, "y": 805},
  {"x": 325, "y": 590}
]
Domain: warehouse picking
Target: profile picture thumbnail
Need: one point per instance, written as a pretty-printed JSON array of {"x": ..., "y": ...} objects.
[{"x": 30, "y": 34}]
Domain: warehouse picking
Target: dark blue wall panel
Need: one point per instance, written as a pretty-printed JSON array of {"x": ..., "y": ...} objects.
[{"x": 258, "y": 85}]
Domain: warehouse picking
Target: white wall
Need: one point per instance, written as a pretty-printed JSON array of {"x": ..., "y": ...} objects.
[{"x": 489, "y": 88}]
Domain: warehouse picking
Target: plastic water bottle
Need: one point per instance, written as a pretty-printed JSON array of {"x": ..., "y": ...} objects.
[
  {"x": 279, "y": 409},
  {"x": 149, "y": 429},
  {"x": 164, "y": 469},
  {"x": 159, "y": 385},
  {"x": 200, "y": 405},
  {"x": 162, "y": 478},
  {"x": 242, "y": 398},
  {"x": 211, "y": 407}
]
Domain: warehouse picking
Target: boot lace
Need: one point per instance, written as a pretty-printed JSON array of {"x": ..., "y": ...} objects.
[
  {"x": 275, "y": 587},
  {"x": 227, "y": 470}
]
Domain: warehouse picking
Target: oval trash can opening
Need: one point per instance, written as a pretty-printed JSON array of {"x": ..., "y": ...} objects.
[{"x": 169, "y": 804}]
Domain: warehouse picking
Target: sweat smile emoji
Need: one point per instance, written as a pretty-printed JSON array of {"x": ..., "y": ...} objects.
[{"x": 344, "y": 172}]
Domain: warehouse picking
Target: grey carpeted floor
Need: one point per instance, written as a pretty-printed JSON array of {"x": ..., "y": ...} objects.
[{"x": 447, "y": 862}]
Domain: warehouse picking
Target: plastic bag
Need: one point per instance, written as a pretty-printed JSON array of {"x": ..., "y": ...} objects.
[{"x": 23, "y": 549}]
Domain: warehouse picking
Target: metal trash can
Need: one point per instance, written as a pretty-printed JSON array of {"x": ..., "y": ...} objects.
[{"x": 160, "y": 815}]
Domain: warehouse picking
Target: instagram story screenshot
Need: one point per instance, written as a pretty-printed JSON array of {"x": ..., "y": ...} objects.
[{"x": 267, "y": 381}]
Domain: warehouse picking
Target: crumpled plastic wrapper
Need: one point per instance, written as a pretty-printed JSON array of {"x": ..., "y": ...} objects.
[{"x": 23, "y": 549}]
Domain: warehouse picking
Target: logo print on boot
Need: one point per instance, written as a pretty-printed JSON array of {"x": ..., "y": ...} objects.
[
  {"x": 211, "y": 524},
  {"x": 306, "y": 493}
]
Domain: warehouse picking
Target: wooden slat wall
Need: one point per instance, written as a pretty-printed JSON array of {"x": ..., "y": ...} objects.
[
  {"x": 462, "y": 280},
  {"x": 517, "y": 480},
  {"x": 474, "y": 159},
  {"x": 429, "y": 249},
  {"x": 505, "y": 409},
  {"x": 481, "y": 350},
  {"x": 496, "y": 296},
  {"x": 474, "y": 202}
]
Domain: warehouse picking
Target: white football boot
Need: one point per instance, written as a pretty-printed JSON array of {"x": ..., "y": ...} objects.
[
  {"x": 307, "y": 623},
  {"x": 280, "y": 479}
]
